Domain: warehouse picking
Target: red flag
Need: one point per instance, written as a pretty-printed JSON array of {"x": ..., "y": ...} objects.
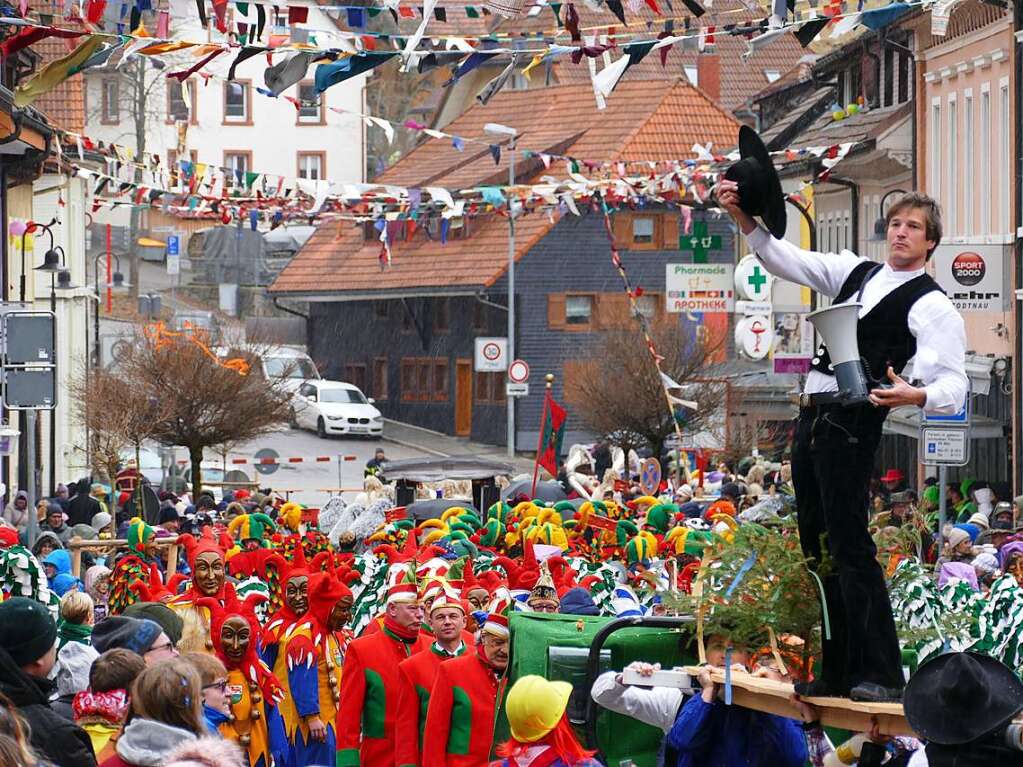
[{"x": 551, "y": 434}]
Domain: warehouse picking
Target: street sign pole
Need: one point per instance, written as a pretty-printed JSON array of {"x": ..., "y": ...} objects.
[{"x": 942, "y": 506}]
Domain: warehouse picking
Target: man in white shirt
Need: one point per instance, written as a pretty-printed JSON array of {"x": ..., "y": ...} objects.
[{"x": 904, "y": 315}]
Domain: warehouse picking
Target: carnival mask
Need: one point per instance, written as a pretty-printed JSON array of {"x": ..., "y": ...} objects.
[
  {"x": 1015, "y": 568},
  {"x": 235, "y": 636},
  {"x": 296, "y": 594},
  {"x": 209, "y": 573},
  {"x": 479, "y": 598},
  {"x": 341, "y": 614}
]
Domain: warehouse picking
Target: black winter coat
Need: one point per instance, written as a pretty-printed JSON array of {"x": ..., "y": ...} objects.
[{"x": 54, "y": 738}]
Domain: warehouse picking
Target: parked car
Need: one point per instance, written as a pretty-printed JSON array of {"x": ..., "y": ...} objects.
[
  {"x": 334, "y": 407},
  {"x": 287, "y": 364}
]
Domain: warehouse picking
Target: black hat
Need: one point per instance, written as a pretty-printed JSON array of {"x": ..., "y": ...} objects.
[
  {"x": 27, "y": 630},
  {"x": 168, "y": 514},
  {"x": 135, "y": 634},
  {"x": 171, "y": 623},
  {"x": 958, "y": 697},
  {"x": 731, "y": 490},
  {"x": 760, "y": 191}
]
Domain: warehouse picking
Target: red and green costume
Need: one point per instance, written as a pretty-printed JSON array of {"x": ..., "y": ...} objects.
[
  {"x": 416, "y": 675},
  {"x": 369, "y": 696},
  {"x": 460, "y": 719}
]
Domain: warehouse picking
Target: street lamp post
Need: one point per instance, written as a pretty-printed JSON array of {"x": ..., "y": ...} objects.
[
  {"x": 496, "y": 129},
  {"x": 115, "y": 281}
]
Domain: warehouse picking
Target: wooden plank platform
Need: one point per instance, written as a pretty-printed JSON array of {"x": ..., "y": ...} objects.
[{"x": 773, "y": 698}]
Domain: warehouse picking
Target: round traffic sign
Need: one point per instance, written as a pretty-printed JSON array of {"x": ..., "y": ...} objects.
[
  {"x": 518, "y": 371},
  {"x": 270, "y": 455},
  {"x": 492, "y": 351},
  {"x": 650, "y": 476}
]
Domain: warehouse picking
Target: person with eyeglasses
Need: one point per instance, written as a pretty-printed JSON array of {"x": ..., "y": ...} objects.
[
  {"x": 140, "y": 635},
  {"x": 216, "y": 707}
]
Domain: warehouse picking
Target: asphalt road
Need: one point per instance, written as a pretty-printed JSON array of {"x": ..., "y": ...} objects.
[{"x": 310, "y": 483}]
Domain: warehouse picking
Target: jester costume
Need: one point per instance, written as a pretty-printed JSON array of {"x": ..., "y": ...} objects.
[
  {"x": 252, "y": 689},
  {"x": 313, "y": 656},
  {"x": 369, "y": 699},
  {"x": 463, "y": 706},
  {"x": 196, "y": 633},
  {"x": 416, "y": 675},
  {"x": 135, "y": 575},
  {"x": 281, "y": 621}
]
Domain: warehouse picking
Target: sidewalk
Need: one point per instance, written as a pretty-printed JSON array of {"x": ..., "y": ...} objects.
[{"x": 444, "y": 446}]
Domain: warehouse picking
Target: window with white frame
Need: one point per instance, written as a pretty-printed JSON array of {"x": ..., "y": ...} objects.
[
  {"x": 985, "y": 159},
  {"x": 968, "y": 148},
  {"x": 934, "y": 150},
  {"x": 952, "y": 195},
  {"x": 310, "y": 165},
  {"x": 1005, "y": 159},
  {"x": 236, "y": 101},
  {"x": 692, "y": 74},
  {"x": 578, "y": 310},
  {"x": 310, "y": 107}
]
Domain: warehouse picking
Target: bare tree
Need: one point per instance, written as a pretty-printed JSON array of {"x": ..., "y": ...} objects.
[
  {"x": 206, "y": 401},
  {"x": 117, "y": 416},
  {"x": 627, "y": 398}
]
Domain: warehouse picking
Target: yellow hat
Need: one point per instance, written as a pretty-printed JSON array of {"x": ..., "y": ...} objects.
[{"x": 535, "y": 706}]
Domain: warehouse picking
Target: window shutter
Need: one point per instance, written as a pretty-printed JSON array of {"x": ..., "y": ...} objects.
[
  {"x": 556, "y": 310},
  {"x": 621, "y": 226},
  {"x": 611, "y": 310},
  {"x": 669, "y": 231}
]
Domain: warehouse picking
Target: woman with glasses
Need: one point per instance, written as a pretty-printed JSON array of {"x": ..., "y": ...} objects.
[
  {"x": 164, "y": 716},
  {"x": 216, "y": 708}
]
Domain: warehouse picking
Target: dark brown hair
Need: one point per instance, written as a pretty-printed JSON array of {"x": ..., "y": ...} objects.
[
  {"x": 932, "y": 214},
  {"x": 115, "y": 669}
]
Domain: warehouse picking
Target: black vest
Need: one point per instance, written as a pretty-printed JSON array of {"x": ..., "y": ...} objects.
[{"x": 883, "y": 332}]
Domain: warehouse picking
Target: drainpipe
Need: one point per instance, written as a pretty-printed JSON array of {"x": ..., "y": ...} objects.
[
  {"x": 914, "y": 99},
  {"x": 308, "y": 334},
  {"x": 487, "y": 302},
  {"x": 854, "y": 217},
  {"x": 1017, "y": 373}
]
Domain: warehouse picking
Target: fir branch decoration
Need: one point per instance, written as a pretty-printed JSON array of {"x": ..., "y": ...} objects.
[{"x": 743, "y": 600}]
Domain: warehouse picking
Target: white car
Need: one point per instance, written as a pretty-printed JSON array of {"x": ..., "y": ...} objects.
[{"x": 334, "y": 407}]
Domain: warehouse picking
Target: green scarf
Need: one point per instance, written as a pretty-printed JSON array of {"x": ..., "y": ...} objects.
[{"x": 73, "y": 632}]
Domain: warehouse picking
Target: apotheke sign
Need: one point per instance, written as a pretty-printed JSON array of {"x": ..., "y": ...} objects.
[{"x": 972, "y": 276}]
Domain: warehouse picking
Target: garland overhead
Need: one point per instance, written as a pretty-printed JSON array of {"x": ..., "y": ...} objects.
[{"x": 356, "y": 53}]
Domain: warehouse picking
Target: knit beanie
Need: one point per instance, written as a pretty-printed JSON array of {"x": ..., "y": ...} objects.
[
  {"x": 157, "y": 612},
  {"x": 135, "y": 634},
  {"x": 27, "y": 631}
]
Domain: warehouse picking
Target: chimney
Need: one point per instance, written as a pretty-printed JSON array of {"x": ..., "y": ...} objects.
[{"x": 708, "y": 75}]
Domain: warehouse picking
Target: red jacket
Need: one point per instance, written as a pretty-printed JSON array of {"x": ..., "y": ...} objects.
[
  {"x": 369, "y": 699},
  {"x": 416, "y": 675},
  {"x": 460, "y": 719}
]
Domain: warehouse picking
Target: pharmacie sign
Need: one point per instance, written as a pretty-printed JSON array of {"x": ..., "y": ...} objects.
[{"x": 700, "y": 288}]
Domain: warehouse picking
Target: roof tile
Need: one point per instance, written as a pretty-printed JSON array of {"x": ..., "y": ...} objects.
[{"x": 644, "y": 119}]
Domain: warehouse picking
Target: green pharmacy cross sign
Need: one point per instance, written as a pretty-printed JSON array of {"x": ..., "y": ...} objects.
[
  {"x": 699, "y": 242},
  {"x": 756, "y": 280}
]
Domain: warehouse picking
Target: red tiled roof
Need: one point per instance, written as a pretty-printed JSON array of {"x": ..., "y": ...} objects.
[
  {"x": 644, "y": 119},
  {"x": 64, "y": 106}
]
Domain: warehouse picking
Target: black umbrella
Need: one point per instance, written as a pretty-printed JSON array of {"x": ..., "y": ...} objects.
[
  {"x": 434, "y": 508},
  {"x": 549, "y": 491}
]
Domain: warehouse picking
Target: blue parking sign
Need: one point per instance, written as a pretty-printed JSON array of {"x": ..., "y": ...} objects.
[{"x": 173, "y": 245}]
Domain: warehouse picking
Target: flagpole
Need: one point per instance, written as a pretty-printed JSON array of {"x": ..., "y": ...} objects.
[{"x": 549, "y": 378}]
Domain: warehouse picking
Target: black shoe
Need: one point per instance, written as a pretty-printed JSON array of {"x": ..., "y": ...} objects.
[
  {"x": 869, "y": 692},
  {"x": 819, "y": 688}
]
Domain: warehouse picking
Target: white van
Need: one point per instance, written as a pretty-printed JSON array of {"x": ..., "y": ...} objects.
[{"x": 288, "y": 364}]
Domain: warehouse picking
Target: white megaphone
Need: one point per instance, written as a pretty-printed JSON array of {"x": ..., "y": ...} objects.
[{"x": 837, "y": 326}]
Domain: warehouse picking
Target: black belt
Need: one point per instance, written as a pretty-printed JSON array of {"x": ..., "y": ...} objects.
[{"x": 819, "y": 399}]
